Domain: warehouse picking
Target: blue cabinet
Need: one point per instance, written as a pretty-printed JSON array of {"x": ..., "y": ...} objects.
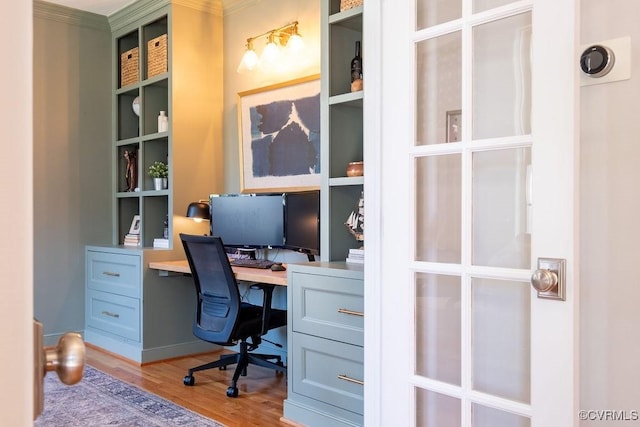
[
  {"x": 325, "y": 335},
  {"x": 131, "y": 311}
]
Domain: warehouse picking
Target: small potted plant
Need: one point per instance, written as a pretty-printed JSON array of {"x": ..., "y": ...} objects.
[{"x": 159, "y": 171}]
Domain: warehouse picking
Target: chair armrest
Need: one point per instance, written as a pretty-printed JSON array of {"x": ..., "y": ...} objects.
[{"x": 267, "y": 290}]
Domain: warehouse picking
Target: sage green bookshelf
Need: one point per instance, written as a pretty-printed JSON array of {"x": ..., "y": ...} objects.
[
  {"x": 342, "y": 127},
  {"x": 191, "y": 146}
]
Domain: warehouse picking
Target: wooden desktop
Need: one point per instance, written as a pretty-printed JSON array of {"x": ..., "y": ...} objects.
[{"x": 248, "y": 274}]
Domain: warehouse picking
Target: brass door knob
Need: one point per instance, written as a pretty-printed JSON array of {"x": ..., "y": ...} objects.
[{"x": 67, "y": 358}]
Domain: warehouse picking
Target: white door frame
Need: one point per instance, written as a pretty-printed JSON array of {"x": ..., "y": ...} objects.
[{"x": 16, "y": 179}]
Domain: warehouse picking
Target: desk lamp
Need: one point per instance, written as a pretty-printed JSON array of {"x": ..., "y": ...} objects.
[{"x": 198, "y": 211}]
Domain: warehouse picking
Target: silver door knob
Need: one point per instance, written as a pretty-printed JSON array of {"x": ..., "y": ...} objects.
[{"x": 544, "y": 280}]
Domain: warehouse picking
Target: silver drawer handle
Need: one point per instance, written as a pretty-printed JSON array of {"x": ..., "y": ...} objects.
[
  {"x": 351, "y": 380},
  {"x": 110, "y": 273},
  {"x": 110, "y": 314},
  {"x": 351, "y": 312}
]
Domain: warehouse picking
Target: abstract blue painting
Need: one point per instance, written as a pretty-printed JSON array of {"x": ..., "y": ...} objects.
[{"x": 280, "y": 136}]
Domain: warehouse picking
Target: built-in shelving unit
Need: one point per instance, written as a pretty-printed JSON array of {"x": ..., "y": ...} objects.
[
  {"x": 191, "y": 46},
  {"x": 342, "y": 127},
  {"x": 130, "y": 311}
]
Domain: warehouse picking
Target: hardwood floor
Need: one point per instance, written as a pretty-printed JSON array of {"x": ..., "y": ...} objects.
[{"x": 259, "y": 402}]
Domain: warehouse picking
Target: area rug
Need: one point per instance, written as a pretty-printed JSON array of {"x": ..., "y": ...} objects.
[{"x": 102, "y": 400}]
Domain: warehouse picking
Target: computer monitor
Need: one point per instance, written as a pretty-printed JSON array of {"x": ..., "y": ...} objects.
[
  {"x": 302, "y": 222},
  {"x": 248, "y": 220}
]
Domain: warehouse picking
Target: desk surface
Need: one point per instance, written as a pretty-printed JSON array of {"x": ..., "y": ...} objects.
[{"x": 260, "y": 275}]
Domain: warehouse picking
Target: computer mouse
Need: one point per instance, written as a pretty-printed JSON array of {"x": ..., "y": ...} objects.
[{"x": 278, "y": 267}]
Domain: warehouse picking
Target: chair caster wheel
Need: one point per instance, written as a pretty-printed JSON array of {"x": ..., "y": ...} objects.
[
  {"x": 189, "y": 380},
  {"x": 223, "y": 368},
  {"x": 232, "y": 392}
]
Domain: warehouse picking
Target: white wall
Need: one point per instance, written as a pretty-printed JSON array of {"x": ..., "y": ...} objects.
[{"x": 610, "y": 221}]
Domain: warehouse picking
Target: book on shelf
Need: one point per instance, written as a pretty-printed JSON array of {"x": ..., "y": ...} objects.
[
  {"x": 356, "y": 256},
  {"x": 132, "y": 240},
  {"x": 160, "y": 243}
]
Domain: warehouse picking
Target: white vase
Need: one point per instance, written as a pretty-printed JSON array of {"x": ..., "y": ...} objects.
[{"x": 159, "y": 183}]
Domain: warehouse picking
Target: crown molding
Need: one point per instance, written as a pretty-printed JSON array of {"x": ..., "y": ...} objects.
[
  {"x": 140, "y": 9},
  {"x": 70, "y": 16},
  {"x": 233, "y": 6}
]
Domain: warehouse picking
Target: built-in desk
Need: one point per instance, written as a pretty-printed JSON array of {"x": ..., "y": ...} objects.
[{"x": 248, "y": 274}]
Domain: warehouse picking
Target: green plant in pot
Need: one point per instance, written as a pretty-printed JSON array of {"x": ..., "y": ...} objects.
[{"x": 159, "y": 171}]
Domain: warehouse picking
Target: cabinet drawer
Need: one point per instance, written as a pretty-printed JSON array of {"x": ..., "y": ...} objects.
[
  {"x": 114, "y": 273},
  {"x": 328, "y": 306},
  {"x": 328, "y": 371},
  {"x": 116, "y": 314}
]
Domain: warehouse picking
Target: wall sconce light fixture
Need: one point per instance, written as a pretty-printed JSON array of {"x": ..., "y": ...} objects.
[{"x": 283, "y": 41}]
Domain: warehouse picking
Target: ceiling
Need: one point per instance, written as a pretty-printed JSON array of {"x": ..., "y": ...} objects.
[{"x": 102, "y": 7}]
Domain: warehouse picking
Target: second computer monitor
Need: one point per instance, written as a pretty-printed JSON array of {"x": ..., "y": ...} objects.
[
  {"x": 302, "y": 222},
  {"x": 248, "y": 220}
]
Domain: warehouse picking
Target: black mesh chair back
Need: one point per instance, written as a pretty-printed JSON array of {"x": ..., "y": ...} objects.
[{"x": 218, "y": 298}]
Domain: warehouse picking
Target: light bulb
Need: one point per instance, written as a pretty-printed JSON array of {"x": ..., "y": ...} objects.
[
  {"x": 249, "y": 61},
  {"x": 270, "y": 54},
  {"x": 295, "y": 45}
]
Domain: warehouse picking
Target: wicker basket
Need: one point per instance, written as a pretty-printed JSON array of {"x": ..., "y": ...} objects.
[
  {"x": 349, "y": 4},
  {"x": 157, "y": 56},
  {"x": 129, "y": 62}
]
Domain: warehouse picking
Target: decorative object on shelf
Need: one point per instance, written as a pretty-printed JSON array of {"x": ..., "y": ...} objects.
[
  {"x": 165, "y": 227},
  {"x": 355, "y": 169},
  {"x": 199, "y": 211},
  {"x": 163, "y": 122},
  {"x": 136, "y": 106},
  {"x": 159, "y": 171},
  {"x": 355, "y": 221},
  {"x": 131, "y": 171},
  {"x": 157, "y": 56},
  {"x": 129, "y": 61},
  {"x": 280, "y": 136},
  {"x": 356, "y": 70},
  {"x": 281, "y": 42},
  {"x": 349, "y": 4}
]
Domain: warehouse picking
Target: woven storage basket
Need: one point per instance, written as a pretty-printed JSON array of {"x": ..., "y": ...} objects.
[
  {"x": 348, "y": 4},
  {"x": 129, "y": 61},
  {"x": 157, "y": 56}
]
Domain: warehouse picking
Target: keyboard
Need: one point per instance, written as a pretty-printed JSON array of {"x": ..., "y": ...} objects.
[{"x": 252, "y": 263}]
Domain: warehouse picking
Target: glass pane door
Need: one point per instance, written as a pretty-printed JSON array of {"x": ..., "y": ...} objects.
[{"x": 472, "y": 247}]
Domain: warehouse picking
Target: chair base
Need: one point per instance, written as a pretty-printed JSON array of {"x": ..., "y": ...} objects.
[{"x": 242, "y": 360}]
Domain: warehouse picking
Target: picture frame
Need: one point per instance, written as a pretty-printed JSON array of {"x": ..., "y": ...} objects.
[
  {"x": 454, "y": 126},
  {"x": 279, "y": 136},
  {"x": 135, "y": 225}
]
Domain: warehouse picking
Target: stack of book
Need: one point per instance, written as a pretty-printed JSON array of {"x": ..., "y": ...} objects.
[
  {"x": 356, "y": 256},
  {"x": 160, "y": 243},
  {"x": 132, "y": 240}
]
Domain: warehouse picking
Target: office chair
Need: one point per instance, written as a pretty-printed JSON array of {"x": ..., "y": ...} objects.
[{"x": 221, "y": 318}]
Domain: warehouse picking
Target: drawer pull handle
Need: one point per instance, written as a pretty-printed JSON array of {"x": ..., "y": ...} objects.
[
  {"x": 111, "y": 273},
  {"x": 351, "y": 380},
  {"x": 351, "y": 312},
  {"x": 110, "y": 314}
]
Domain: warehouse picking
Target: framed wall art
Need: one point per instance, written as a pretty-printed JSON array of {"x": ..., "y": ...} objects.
[{"x": 279, "y": 136}]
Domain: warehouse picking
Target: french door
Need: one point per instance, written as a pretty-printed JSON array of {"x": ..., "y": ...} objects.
[{"x": 473, "y": 112}]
